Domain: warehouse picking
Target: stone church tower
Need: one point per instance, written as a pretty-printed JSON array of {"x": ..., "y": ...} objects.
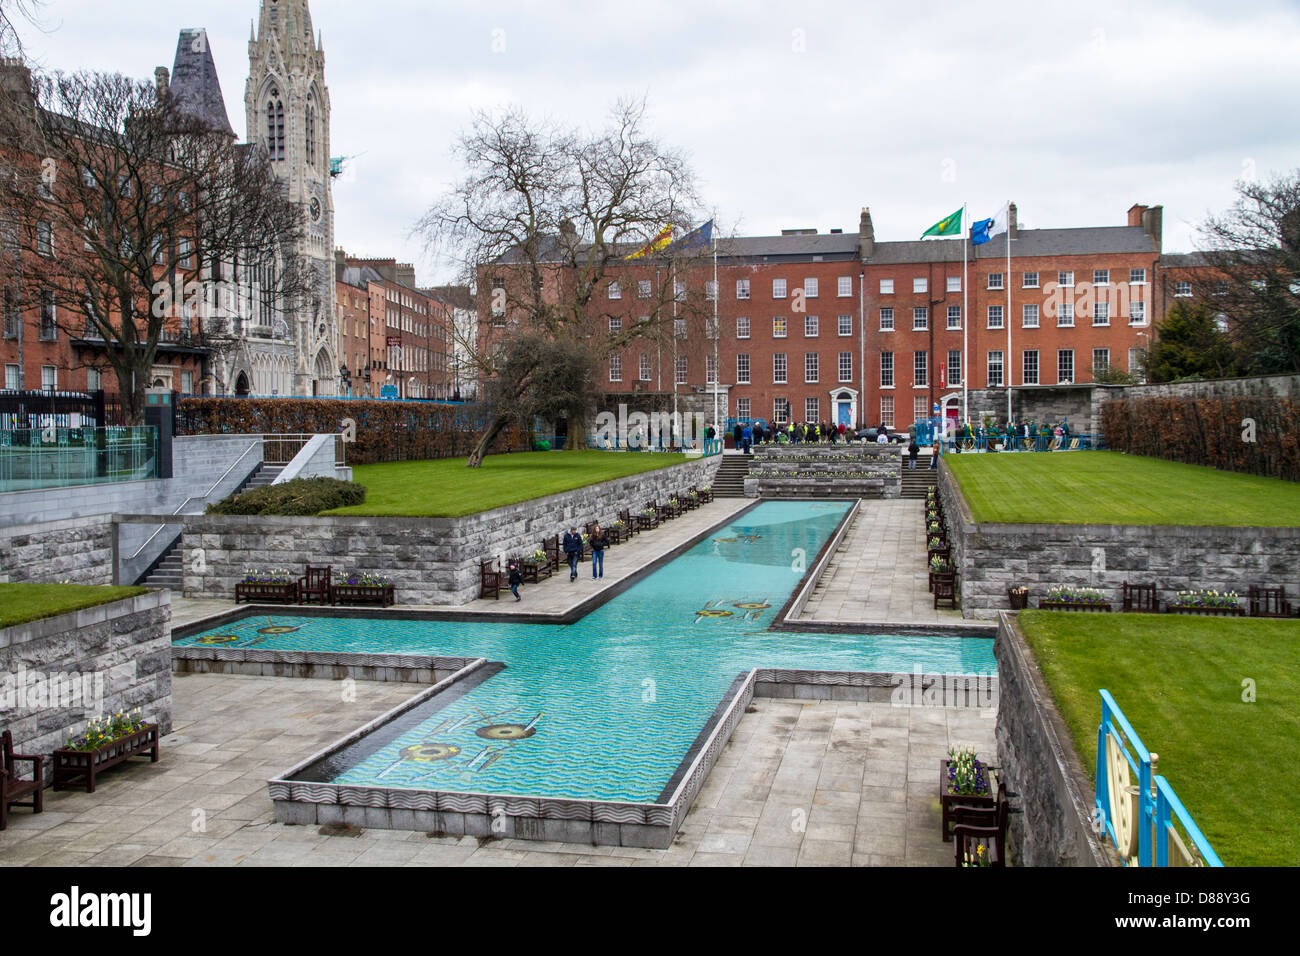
[{"x": 288, "y": 112}]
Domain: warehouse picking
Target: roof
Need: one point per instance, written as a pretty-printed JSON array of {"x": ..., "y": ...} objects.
[
  {"x": 843, "y": 247},
  {"x": 360, "y": 276},
  {"x": 194, "y": 81}
]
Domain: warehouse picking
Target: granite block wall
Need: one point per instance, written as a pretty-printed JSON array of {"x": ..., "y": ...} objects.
[
  {"x": 77, "y": 550},
  {"x": 433, "y": 561},
  {"x": 57, "y": 673},
  {"x": 990, "y": 558},
  {"x": 1040, "y": 766}
]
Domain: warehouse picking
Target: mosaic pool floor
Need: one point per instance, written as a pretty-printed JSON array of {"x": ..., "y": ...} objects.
[{"x": 607, "y": 707}]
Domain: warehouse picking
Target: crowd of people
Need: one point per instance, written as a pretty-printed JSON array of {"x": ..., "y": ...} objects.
[
  {"x": 803, "y": 433},
  {"x": 1020, "y": 434}
]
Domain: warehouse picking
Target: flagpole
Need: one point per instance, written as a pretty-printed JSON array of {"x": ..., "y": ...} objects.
[
  {"x": 965, "y": 321},
  {"x": 717, "y": 369},
  {"x": 1006, "y": 366}
]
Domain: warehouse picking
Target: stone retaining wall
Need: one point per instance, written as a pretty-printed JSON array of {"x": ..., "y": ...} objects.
[
  {"x": 430, "y": 560},
  {"x": 1040, "y": 766},
  {"x": 78, "y": 551},
  {"x": 116, "y": 655},
  {"x": 990, "y": 558}
]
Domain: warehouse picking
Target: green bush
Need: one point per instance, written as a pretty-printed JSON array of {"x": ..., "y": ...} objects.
[
  {"x": 302, "y": 496},
  {"x": 541, "y": 445}
]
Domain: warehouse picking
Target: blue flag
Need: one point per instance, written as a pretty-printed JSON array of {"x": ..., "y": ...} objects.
[
  {"x": 702, "y": 236},
  {"x": 979, "y": 231}
]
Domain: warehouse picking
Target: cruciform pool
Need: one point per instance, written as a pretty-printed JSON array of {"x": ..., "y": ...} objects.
[{"x": 610, "y": 707}]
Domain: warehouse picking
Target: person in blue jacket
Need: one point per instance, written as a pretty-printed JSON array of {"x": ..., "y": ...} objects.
[{"x": 572, "y": 545}]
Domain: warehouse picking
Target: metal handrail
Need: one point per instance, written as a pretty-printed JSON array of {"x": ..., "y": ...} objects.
[
  {"x": 1157, "y": 802},
  {"x": 184, "y": 503}
]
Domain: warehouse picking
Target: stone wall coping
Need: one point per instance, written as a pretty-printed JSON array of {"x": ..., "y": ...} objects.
[
  {"x": 1065, "y": 758},
  {"x": 76, "y": 620},
  {"x": 61, "y": 524},
  {"x": 202, "y": 523}
]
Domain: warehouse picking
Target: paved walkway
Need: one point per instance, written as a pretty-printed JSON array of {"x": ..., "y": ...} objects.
[
  {"x": 879, "y": 574},
  {"x": 808, "y": 783}
]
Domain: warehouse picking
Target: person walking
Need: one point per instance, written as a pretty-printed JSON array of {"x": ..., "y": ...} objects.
[
  {"x": 572, "y": 545},
  {"x": 912, "y": 451},
  {"x": 515, "y": 578},
  {"x": 746, "y": 439},
  {"x": 599, "y": 542}
]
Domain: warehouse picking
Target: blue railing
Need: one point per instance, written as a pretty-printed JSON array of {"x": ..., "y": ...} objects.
[
  {"x": 1148, "y": 820},
  {"x": 1015, "y": 443}
]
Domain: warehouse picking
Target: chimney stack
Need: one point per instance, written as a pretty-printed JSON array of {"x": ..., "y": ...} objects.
[
  {"x": 405, "y": 274},
  {"x": 1153, "y": 222},
  {"x": 1013, "y": 225},
  {"x": 16, "y": 85},
  {"x": 1135, "y": 212},
  {"x": 866, "y": 235},
  {"x": 162, "y": 81}
]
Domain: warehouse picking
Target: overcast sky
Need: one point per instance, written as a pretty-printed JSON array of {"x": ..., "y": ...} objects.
[{"x": 794, "y": 114}]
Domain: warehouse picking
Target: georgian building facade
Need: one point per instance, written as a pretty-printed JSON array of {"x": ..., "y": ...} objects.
[{"x": 839, "y": 327}]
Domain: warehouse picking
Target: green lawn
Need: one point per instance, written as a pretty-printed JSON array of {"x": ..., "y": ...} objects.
[
  {"x": 20, "y": 603},
  {"x": 1106, "y": 487},
  {"x": 446, "y": 488},
  {"x": 1179, "y": 682}
]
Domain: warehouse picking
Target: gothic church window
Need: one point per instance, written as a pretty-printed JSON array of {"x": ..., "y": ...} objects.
[{"x": 275, "y": 125}]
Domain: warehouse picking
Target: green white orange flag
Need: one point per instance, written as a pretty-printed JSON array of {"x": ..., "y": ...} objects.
[{"x": 948, "y": 226}]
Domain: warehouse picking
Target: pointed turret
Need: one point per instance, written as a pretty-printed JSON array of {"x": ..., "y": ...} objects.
[{"x": 194, "y": 82}]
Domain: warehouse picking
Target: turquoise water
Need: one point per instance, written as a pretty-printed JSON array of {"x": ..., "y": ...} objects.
[{"x": 607, "y": 707}]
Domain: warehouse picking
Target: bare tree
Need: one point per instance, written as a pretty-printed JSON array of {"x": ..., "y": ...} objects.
[
  {"x": 136, "y": 219},
  {"x": 543, "y": 220},
  {"x": 11, "y": 11},
  {"x": 1254, "y": 252}
]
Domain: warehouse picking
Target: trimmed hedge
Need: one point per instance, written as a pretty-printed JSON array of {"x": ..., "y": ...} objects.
[
  {"x": 386, "y": 430},
  {"x": 302, "y": 496},
  {"x": 1209, "y": 431}
]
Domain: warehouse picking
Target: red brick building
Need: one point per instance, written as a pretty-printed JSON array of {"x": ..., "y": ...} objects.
[
  {"x": 793, "y": 344},
  {"x": 391, "y": 333}
]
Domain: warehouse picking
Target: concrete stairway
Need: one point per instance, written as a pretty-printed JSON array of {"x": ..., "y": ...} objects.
[
  {"x": 916, "y": 482},
  {"x": 730, "y": 479},
  {"x": 264, "y": 476},
  {"x": 168, "y": 572}
]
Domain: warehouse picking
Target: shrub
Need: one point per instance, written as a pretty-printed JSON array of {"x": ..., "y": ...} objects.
[{"x": 302, "y": 496}]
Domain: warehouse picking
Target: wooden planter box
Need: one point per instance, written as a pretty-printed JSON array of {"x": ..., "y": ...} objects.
[
  {"x": 275, "y": 593},
  {"x": 1209, "y": 611},
  {"x": 1018, "y": 601},
  {"x": 69, "y": 765},
  {"x": 534, "y": 571},
  {"x": 380, "y": 594},
  {"x": 1066, "y": 606},
  {"x": 949, "y": 800}
]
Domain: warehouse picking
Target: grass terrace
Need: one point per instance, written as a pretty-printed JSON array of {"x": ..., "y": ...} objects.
[
  {"x": 21, "y": 603},
  {"x": 1106, "y": 487},
  {"x": 1179, "y": 680},
  {"x": 447, "y": 489}
]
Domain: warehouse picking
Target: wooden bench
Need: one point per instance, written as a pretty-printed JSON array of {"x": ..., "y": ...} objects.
[
  {"x": 491, "y": 581},
  {"x": 13, "y": 789},
  {"x": 705, "y": 496},
  {"x": 631, "y": 522},
  {"x": 945, "y": 588},
  {"x": 551, "y": 546},
  {"x": 1268, "y": 602},
  {"x": 975, "y": 827},
  {"x": 1140, "y": 598},
  {"x": 315, "y": 584}
]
